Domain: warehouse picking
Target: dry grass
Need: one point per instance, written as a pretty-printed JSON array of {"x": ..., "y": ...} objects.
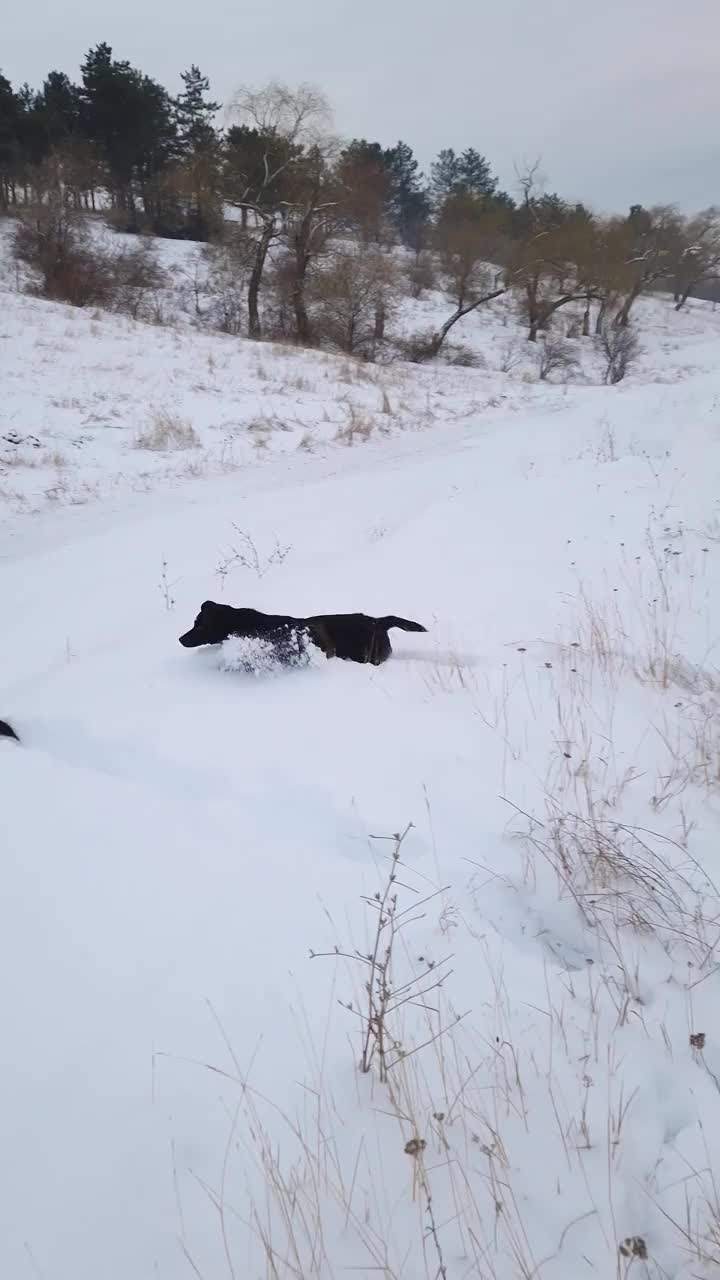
[
  {"x": 358, "y": 428},
  {"x": 619, "y": 876},
  {"x": 55, "y": 459},
  {"x": 430, "y": 1181},
  {"x": 167, "y": 431}
]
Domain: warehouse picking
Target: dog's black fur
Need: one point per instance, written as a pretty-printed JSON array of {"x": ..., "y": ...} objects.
[
  {"x": 7, "y": 731},
  {"x": 352, "y": 636}
]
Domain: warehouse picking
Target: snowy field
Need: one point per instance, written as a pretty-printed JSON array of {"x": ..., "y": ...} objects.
[{"x": 192, "y": 855}]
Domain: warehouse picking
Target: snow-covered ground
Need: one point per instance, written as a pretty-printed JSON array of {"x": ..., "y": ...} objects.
[{"x": 180, "y": 1084}]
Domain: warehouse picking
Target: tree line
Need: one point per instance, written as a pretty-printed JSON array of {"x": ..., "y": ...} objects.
[
  {"x": 317, "y": 216},
  {"x": 163, "y": 165}
]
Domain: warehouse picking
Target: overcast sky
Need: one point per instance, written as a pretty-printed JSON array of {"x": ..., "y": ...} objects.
[{"x": 619, "y": 98}]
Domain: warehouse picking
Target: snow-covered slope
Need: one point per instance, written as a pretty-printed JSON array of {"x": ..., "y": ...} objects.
[{"x": 180, "y": 1090}]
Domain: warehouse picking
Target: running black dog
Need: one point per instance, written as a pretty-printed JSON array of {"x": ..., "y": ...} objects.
[{"x": 352, "y": 636}]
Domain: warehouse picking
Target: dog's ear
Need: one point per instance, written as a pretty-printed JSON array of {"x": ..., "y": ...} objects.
[{"x": 207, "y": 605}]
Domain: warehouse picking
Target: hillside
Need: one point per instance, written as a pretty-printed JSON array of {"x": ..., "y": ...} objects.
[{"x": 180, "y": 1083}]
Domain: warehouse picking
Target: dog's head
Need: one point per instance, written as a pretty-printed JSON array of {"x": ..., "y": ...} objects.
[{"x": 214, "y": 623}]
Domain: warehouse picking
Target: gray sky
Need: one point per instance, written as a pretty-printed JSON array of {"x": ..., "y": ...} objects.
[{"x": 619, "y": 98}]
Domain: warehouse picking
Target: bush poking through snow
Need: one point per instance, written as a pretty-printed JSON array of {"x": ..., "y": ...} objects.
[
  {"x": 421, "y": 274},
  {"x": 245, "y": 554},
  {"x": 621, "y": 348},
  {"x": 554, "y": 355}
]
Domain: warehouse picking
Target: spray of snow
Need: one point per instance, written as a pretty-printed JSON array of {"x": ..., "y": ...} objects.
[{"x": 258, "y": 656}]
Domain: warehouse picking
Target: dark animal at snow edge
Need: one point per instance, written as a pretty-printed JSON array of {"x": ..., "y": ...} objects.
[{"x": 354, "y": 637}]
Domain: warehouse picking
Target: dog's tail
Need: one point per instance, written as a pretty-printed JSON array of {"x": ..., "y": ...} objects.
[
  {"x": 7, "y": 731},
  {"x": 402, "y": 623}
]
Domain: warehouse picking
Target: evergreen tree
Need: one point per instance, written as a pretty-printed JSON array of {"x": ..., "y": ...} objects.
[
  {"x": 456, "y": 175},
  {"x": 130, "y": 118},
  {"x": 409, "y": 202},
  {"x": 33, "y": 136},
  {"x": 61, "y": 105},
  {"x": 9, "y": 117},
  {"x": 475, "y": 176},
  {"x": 364, "y": 181},
  {"x": 194, "y": 114},
  {"x": 358, "y": 150},
  {"x": 195, "y": 180},
  {"x": 255, "y": 167},
  {"x": 444, "y": 176}
]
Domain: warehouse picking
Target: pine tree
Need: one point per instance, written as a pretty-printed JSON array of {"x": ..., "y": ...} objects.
[
  {"x": 255, "y": 167},
  {"x": 364, "y": 181},
  {"x": 444, "y": 176},
  {"x": 61, "y": 104},
  {"x": 9, "y": 115},
  {"x": 409, "y": 201},
  {"x": 194, "y": 186},
  {"x": 456, "y": 175},
  {"x": 33, "y": 137},
  {"x": 193, "y": 114},
  {"x": 130, "y": 118},
  {"x": 474, "y": 174}
]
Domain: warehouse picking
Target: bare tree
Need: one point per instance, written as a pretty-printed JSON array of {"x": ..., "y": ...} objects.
[
  {"x": 552, "y": 256},
  {"x": 643, "y": 246},
  {"x": 310, "y": 219},
  {"x": 301, "y": 116},
  {"x": 283, "y": 124},
  {"x": 697, "y": 254},
  {"x": 467, "y": 238},
  {"x": 547, "y": 277}
]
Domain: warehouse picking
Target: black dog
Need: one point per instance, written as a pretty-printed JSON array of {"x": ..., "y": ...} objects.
[
  {"x": 6, "y": 731},
  {"x": 352, "y": 636}
]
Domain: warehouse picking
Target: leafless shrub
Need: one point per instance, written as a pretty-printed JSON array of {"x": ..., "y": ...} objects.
[
  {"x": 245, "y": 554},
  {"x": 69, "y": 266},
  {"x": 510, "y": 355},
  {"x": 417, "y": 348},
  {"x": 621, "y": 348},
  {"x": 165, "y": 587},
  {"x": 353, "y": 297},
  {"x": 422, "y": 275},
  {"x": 278, "y": 315},
  {"x": 227, "y": 305},
  {"x": 554, "y": 355},
  {"x": 167, "y": 431},
  {"x": 463, "y": 357},
  {"x": 385, "y": 995},
  {"x": 52, "y": 240},
  {"x": 135, "y": 275},
  {"x": 227, "y": 268}
]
